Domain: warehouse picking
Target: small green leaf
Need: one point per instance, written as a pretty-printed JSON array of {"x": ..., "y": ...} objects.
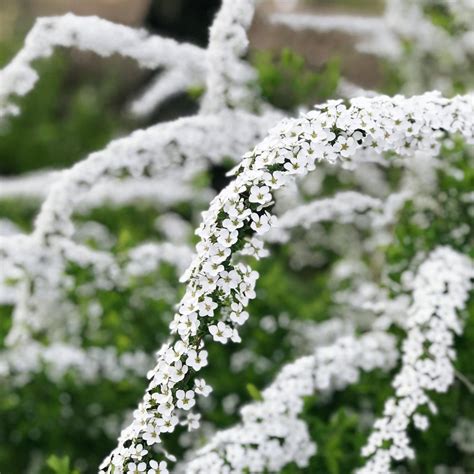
[
  {"x": 254, "y": 392},
  {"x": 60, "y": 465}
]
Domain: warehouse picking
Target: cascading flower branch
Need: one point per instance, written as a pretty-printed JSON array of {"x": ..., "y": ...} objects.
[
  {"x": 219, "y": 286},
  {"x": 440, "y": 290}
]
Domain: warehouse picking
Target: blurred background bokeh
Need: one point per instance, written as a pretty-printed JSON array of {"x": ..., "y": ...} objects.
[{"x": 60, "y": 107}]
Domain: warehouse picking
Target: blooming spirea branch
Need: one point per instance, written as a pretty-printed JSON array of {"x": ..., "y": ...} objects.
[
  {"x": 440, "y": 290},
  {"x": 19, "y": 364},
  {"x": 157, "y": 164},
  {"x": 219, "y": 287}
]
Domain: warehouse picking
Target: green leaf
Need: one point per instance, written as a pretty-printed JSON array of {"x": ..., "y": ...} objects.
[
  {"x": 254, "y": 392},
  {"x": 60, "y": 465}
]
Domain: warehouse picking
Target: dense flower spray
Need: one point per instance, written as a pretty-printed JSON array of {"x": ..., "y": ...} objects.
[{"x": 240, "y": 220}]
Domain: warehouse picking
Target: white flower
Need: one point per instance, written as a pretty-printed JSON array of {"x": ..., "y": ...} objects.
[
  {"x": 166, "y": 407},
  {"x": 227, "y": 238},
  {"x": 188, "y": 324},
  {"x": 345, "y": 146},
  {"x": 260, "y": 223},
  {"x": 420, "y": 421},
  {"x": 296, "y": 165},
  {"x": 193, "y": 421},
  {"x": 255, "y": 248},
  {"x": 156, "y": 468},
  {"x": 185, "y": 400},
  {"x": 202, "y": 388},
  {"x": 260, "y": 194},
  {"x": 275, "y": 180},
  {"x": 207, "y": 307},
  {"x": 177, "y": 371},
  {"x": 212, "y": 268},
  {"x": 196, "y": 360},
  {"x": 136, "y": 468},
  {"x": 232, "y": 223},
  {"x": 152, "y": 435},
  {"x": 235, "y": 337},
  {"x": 137, "y": 451},
  {"x": 228, "y": 280},
  {"x": 220, "y": 332},
  {"x": 160, "y": 398},
  {"x": 239, "y": 318},
  {"x": 168, "y": 423}
]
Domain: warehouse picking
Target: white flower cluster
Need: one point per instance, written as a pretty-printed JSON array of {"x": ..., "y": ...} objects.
[
  {"x": 219, "y": 287},
  {"x": 367, "y": 29},
  {"x": 190, "y": 143},
  {"x": 156, "y": 192},
  {"x": 368, "y": 302},
  {"x": 440, "y": 291},
  {"x": 185, "y": 65},
  {"x": 146, "y": 258},
  {"x": 433, "y": 45},
  {"x": 306, "y": 335},
  {"x": 271, "y": 435}
]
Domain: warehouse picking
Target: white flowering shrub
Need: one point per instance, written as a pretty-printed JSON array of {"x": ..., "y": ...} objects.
[{"x": 334, "y": 268}]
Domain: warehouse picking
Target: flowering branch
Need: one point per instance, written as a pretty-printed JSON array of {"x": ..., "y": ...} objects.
[
  {"x": 440, "y": 290},
  {"x": 219, "y": 287}
]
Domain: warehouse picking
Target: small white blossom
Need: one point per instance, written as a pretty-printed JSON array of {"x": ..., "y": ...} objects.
[
  {"x": 197, "y": 360},
  {"x": 220, "y": 332},
  {"x": 260, "y": 223},
  {"x": 136, "y": 468},
  {"x": 202, "y": 388},
  {"x": 192, "y": 421},
  {"x": 155, "y": 468},
  {"x": 260, "y": 194},
  {"x": 185, "y": 400}
]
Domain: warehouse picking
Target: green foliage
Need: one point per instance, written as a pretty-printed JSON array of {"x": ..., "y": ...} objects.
[
  {"x": 447, "y": 221},
  {"x": 254, "y": 392},
  {"x": 60, "y": 465},
  {"x": 440, "y": 16},
  {"x": 286, "y": 80},
  {"x": 59, "y": 123},
  {"x": 196, "y": 92}
]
